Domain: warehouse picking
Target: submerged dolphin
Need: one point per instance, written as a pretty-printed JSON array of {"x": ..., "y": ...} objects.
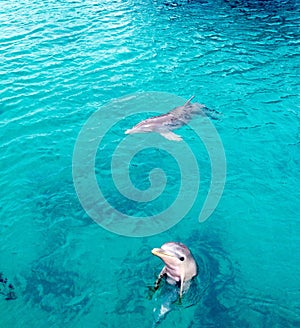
[
  {"x": 176, "y": 118},
  {"x": 180, "y": 265}
]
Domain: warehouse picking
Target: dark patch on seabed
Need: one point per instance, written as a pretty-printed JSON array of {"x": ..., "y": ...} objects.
[
  {"x": 57, "y": 204},
  {"x": 60, "y": 292},
  {"x": 7, "y": 289},
  {"x": 63, "y": 293}
]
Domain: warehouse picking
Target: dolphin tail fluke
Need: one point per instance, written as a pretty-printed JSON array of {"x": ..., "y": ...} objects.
[
  {"x": 171, "y": 136},
  {"x": 188, "y": 101}
]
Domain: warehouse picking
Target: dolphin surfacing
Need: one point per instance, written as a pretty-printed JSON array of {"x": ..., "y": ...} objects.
[
  {"x": 180, "y": 265},
  {"x": 165, "y": 123}
]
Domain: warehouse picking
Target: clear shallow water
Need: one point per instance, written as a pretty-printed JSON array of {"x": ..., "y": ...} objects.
[{"x": 60, "y": 62}]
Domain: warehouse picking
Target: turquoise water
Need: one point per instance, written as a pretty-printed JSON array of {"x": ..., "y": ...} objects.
[{"x": 63, "y": 60}]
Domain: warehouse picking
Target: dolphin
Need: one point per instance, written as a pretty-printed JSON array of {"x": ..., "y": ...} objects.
[
  {"x": 180, "y": 265},
  {"x": 174, "y": 119}
]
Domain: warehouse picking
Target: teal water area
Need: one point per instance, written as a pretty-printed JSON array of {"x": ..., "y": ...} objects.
[{"x": 63, "y": 60}]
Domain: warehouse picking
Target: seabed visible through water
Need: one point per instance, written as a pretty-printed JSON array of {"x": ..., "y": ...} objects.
[{"x": 63, "y": 61}]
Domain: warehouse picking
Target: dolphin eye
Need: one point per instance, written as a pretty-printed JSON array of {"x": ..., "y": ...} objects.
[{"x": 181, "y": 258}]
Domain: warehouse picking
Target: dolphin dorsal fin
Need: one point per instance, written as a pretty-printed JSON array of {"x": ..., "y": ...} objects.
[{"x": 188, "y": 101}]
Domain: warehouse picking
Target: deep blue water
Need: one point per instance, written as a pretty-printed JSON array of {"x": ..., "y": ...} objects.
[{"x": 62, "y": 61}]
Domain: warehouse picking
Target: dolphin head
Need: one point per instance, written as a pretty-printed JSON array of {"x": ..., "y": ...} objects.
[
  {"x": 142, "y": 127},
  {"x": 179, "y": 262}
]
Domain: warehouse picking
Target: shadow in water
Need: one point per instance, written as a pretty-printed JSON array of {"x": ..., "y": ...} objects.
[
  {"x": 217, "y": 275},
  {"x": 7, "y": 289},
  {"x": 56, "y": 290}
]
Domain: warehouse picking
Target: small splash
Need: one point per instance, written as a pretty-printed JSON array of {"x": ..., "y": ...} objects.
[{"x": 165, "y": 301}]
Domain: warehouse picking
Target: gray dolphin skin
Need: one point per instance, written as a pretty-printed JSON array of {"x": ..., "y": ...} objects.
[
  {"x": 165, "y": 123},
  {"x": 180, "y": 265}
]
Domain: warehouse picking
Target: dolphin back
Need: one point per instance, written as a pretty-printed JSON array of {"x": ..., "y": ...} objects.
[{"x": 197, "y": 108}]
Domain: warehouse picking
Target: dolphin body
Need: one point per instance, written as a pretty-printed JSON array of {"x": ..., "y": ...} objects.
[
  {"x": 180, "y": 265},
  {"x": 180, "y": 268},
  {"x": 174, "y": 119}
]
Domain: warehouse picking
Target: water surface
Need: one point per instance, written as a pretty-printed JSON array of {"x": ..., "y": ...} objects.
[{"x": 60, "y": 62}]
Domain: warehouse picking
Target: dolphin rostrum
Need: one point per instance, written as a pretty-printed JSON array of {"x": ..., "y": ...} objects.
[
  {"x": 180, "y": 265},
  {"x": 174, "y": 119}
]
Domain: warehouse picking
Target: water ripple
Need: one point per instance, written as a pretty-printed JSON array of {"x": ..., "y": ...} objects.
[{"x": 60, "y": 62}]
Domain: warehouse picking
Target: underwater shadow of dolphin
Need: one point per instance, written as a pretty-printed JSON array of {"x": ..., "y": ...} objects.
[{"x": 174, "y": 119}]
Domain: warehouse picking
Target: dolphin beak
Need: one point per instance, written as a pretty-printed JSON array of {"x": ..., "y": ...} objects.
[
  {"x": 155, "y": 251},
  {"x": 131, "y": 131},
  {"x": 161, "y": 253}
]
